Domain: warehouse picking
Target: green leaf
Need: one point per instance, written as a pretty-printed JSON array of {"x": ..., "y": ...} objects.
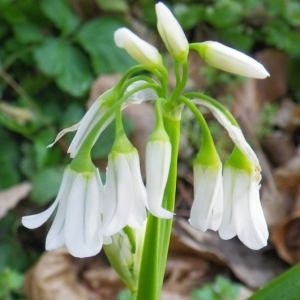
[
  {"x": 205, "y": 292},
  {"x": 28, "y": 33},
  {"x": 67, "y": 63},
  {"x": 43, "y": 156},
  {"x": 286, "y": 286},
  {"x": 120, "y": 6},
  {"x": 45, "y": 185},
  {"x": 227, "y": 289},
  {"x": 189, "y": 15},
  {"x": 96, "y": 37},
  {"x": 293, "y": 13},
  {"x": 61, "y": 14},
  {"x": 10, "y": 280},
  {"x": 224, "y": 14},
  {"x": 13, "y": 15},
  {"x": 236, "y": 37},
  {"x": 9, "y": 156},
  {"x": 13, "y": 256},
  {"x": 279, "y": 34}
]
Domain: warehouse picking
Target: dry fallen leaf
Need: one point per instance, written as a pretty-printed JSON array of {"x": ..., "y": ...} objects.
[
  {"x": 287, "y": 177},
  {"x": 53, "y": 277},
  {"x": 10, "y": 198},
  {"x": 286, "y": 236},
  {"x": 253, "y": 268}
]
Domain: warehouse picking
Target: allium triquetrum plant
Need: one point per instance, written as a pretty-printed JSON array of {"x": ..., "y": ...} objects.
[{"x": 131, "y": 221}]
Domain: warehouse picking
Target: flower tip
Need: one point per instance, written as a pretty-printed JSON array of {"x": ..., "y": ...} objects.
[{"x": 162, "y": 213}]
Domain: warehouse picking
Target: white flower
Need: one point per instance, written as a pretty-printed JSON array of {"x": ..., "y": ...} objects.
[
  {"x": 125, "y": 193},
  {"x": 243, "y": 215},
  {"x": 171, "y": 33},
  {"x": 97, "y": 111},
  {"x": 207, "y": 208},
  {"x": 158, "y": 158},
  {"x": 78, "y": 218},
  {"x": 230, "y": 60},
  {"x": 140, "y": 50},
  {"x": 90, "y": 119},
  {"x": 234, "y": 132}
]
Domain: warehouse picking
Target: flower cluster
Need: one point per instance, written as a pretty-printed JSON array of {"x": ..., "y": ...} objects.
[{"x": 91, "y": 214}]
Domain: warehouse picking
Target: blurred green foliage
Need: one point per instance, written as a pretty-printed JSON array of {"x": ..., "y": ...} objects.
[
  {"x": 221, "y": 289},
  {"x": 52, "y": 50}
]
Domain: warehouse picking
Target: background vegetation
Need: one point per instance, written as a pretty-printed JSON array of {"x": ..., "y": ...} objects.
[{"x": 52, "y": 51}]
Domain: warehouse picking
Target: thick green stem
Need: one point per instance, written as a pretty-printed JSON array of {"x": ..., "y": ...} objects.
[{"x": 158, "y": 231}]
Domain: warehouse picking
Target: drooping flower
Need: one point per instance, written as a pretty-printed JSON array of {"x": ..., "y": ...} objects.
[
  {"x": 234, "y": 132},
  {"x": 140, "y": 50},
  {"x": 207, "y": 208},
  {"x": 243, "y": 215},
  {"x": 158, "y": 158},
  {"x": 171, "y": 33},
  {"x": 78, "y": 219},
  {"x": 230, "y": 60},
  {"x": 125, "y": 193}
]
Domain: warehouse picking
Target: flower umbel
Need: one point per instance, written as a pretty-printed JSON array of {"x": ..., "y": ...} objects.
[{"x": 78, "y": 219}]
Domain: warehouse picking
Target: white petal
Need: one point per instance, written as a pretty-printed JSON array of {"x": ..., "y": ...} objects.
[
  {"x": 94, "y": 197},
  {"x": 139, "y": 193},
  {"x": 227, "y": 228},
  {"x": 206, "y": 212},
  {"x": 37, "y": 220},
  {"x": 171, "y": 32},
  {"x": 230, "y": 60},
  {"x": 63, "y": 132},
  {"x": 124, "y": 196},
  {"x": 235, "y": 133},
  {"x": 56, "y": 237},
  {"x": 90, "y": 119},
  {"x": 251, "y": 226},
  {"x": 158, "y": 158},
  {"x": 139, "y": 49},
  {"x": 140, "y": 96},
  {"x": 78, "y": 244}
]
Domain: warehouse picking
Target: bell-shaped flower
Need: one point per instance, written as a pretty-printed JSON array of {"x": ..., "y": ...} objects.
[
  {"x": 230, "y": 60},
  {"x": 158, "y": 159},
  {"x": 207, "y": 208},
  {"x": 78, "y": 219},
  {"x": 234, "y": 132},
  {"x": 141, "y": 51},
  {"x": 243, "y": 215},
  {"x": 171, "y": 33},
  {"x": 125, "y": 193}
]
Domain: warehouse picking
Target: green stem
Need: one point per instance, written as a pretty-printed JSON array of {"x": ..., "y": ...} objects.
[
  {"x": 180, "y": 84},
  {"x": 85, "y": 150},
  {"x": 158, "y": 231},
  {"x": 215, "y": 103}
]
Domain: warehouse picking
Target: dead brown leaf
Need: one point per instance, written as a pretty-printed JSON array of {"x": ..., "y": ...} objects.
[
  {"x": 286, "y": 237},
  {"x": 53, "y": 277},
  {"x": 253, "y": 268},
  {"x": 10, "y": 198},
  {"x": 287, "y": 177}
]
